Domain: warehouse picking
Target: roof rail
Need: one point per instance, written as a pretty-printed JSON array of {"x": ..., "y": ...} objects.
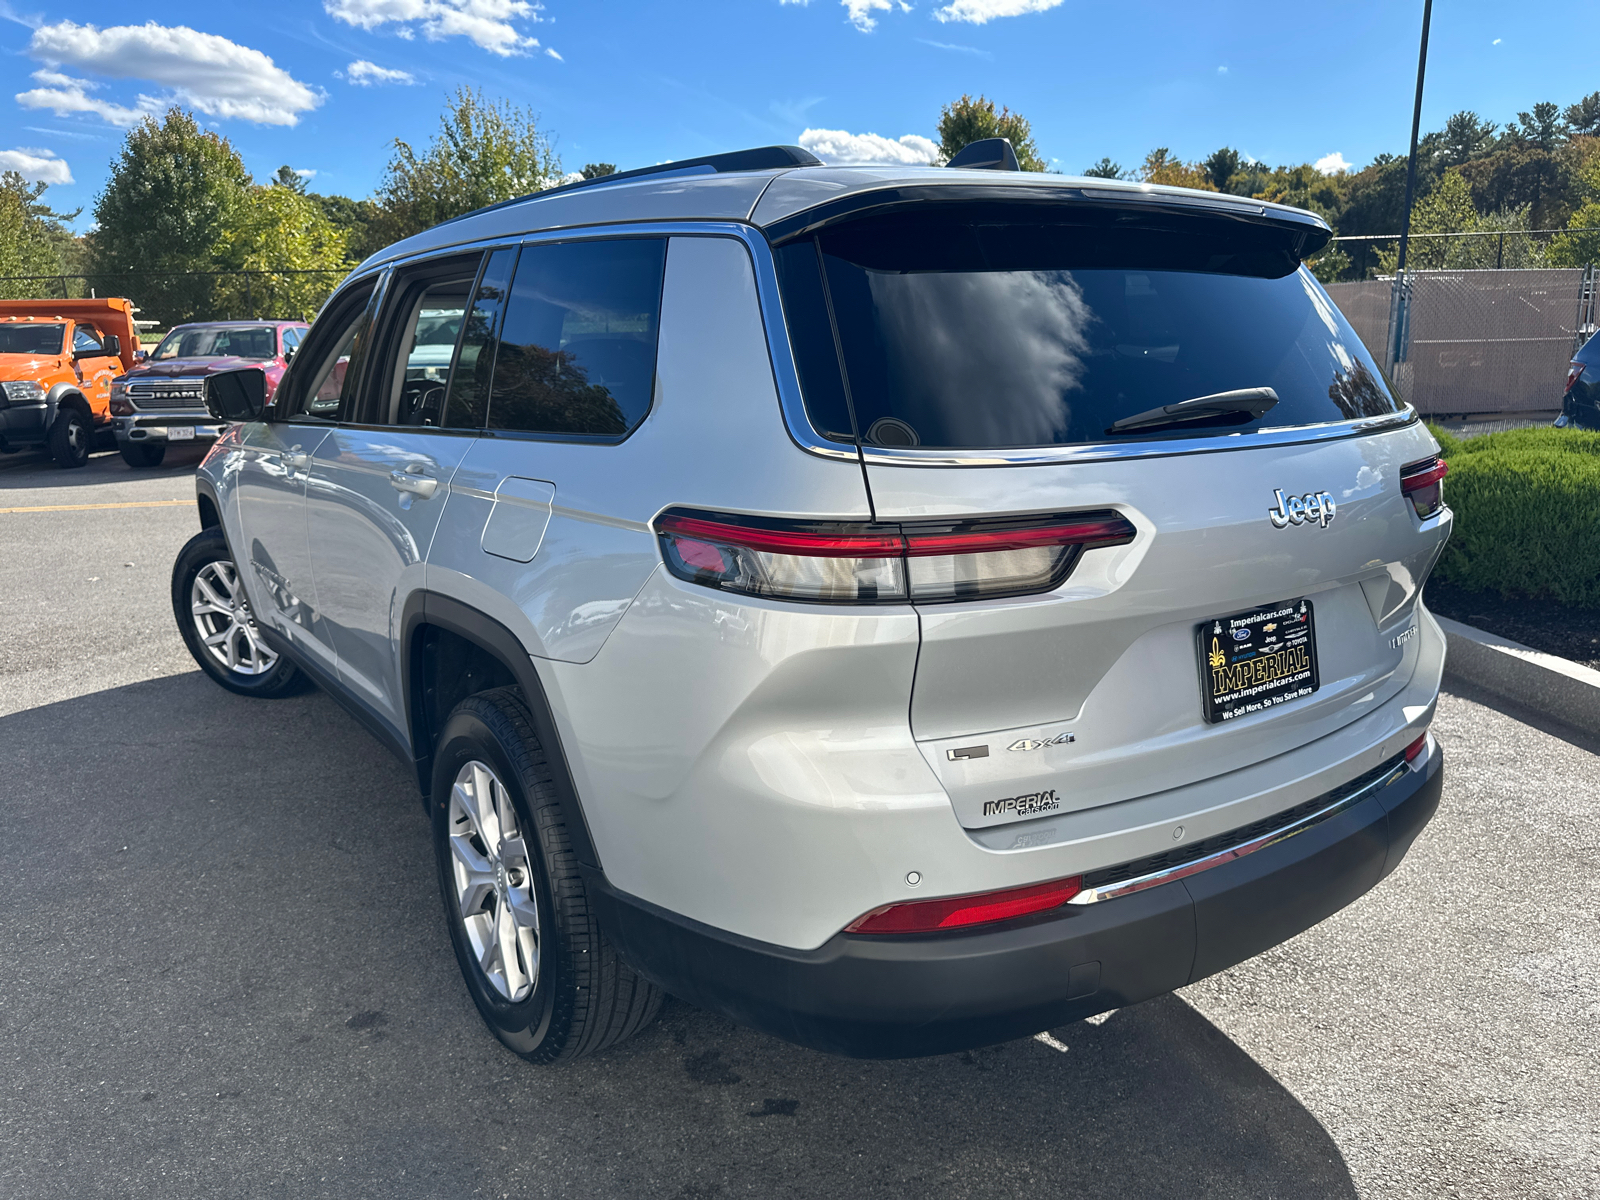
[{"x": 760, "y": 158}]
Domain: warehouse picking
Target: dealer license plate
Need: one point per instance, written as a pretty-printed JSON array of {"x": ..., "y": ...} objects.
[
  {"x": 180, "y": 433},
  {"x": 1257, "y": 660}
]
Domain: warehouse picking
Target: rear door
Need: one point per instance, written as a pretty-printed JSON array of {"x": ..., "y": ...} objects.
[
  {"x": 378, "y": 481},
  {"x": 1266, "y": 596}
]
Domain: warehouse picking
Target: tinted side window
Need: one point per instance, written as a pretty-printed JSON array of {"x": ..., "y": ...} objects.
[
  {"x": 469, "y": 382},
  {"x": 578, "y": 350},
  {"x": 85, "y": 341},
  {"x": 324, "y": 376}
]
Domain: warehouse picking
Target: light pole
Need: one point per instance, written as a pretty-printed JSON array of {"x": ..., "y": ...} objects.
[{"x": 1400, "y": 298}]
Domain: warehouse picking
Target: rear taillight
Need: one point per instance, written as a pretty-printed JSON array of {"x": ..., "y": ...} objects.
[
  {"x": 1574, "y": 373},
  {"x": 1416, "y": 747},
  {"x": 1423, "y": 484},
  {"x": 835, "y": 563},
  {"x": 958, "y": 912}
]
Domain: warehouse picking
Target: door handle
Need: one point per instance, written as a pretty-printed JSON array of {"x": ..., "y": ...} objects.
[{"x": 412, "y": 482}]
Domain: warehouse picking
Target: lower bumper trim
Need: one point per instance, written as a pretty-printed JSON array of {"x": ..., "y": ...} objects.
[{"x": 917, "y": 994}]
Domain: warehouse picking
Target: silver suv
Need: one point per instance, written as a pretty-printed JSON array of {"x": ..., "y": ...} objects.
[{"x": 899, "y": 609}]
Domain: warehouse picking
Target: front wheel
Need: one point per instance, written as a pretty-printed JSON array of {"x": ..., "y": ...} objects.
[
  {"x": 70, "y": 437},
  {"x": 217, "y": 625},
  {"x": 143, "y": 454},
  {"x": 545, "y": 979}
]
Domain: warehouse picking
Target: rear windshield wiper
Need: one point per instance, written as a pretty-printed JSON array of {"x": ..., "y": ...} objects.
[{"x": 1246, "y": 404}]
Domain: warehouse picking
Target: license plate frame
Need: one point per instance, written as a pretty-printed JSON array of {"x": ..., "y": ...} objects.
[
  {"x": 1232, "y": 685},
  {"x": 180, "y": 433}
]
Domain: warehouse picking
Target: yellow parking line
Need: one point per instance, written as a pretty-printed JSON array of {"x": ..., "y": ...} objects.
[{"x": 82, "y": 507}]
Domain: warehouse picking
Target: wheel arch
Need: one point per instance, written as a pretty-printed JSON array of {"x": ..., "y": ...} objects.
[
  {"x": 65, "y": 395},
  {"x": 439, "y": 633},
  {"x": 207, "y": 502}
]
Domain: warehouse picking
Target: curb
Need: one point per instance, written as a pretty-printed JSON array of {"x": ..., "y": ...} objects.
[{"x": 1553, "y": 687}]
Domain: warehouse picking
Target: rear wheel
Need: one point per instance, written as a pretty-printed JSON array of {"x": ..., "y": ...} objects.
[
  {"x": 217, "y": 625},
  {"x": 143, "y": 454},
  {"x": 545, "y": 979},
  {"x": 69, "y": 437}
]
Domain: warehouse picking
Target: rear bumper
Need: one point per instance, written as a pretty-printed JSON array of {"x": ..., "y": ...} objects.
[{"x": 891, "y": 997}]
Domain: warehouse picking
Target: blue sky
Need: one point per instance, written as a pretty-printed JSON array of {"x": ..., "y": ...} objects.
[{"x": 633, "y": 83}]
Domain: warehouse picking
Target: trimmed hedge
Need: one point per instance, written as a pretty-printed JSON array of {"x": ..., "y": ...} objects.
[{"x": 1527, "y": 514}]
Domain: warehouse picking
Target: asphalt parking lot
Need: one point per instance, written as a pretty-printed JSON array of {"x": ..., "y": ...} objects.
[{"x": 224, "y": 972}]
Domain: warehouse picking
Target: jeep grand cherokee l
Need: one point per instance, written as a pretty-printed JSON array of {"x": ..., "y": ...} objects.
[{"x": 900, "y": 609}]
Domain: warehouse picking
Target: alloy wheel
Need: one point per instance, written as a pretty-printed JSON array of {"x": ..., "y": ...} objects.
[
  {"x": 494, "y": 881},
  {"x": 224, "y": 621}
]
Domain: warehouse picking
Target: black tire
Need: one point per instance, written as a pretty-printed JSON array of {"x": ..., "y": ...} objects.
[
  {"x": 70, "y": 437},
  {"x": 143, "y": 454},
  {"x": 585, "y": 998},
  {"x": 202, "y": 550}
]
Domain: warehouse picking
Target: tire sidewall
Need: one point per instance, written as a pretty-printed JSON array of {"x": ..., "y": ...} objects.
[
  {"x": 60, "y": 442},
  {"x": 207, "y": 546},
  {"x": 524, "y": 1026}
]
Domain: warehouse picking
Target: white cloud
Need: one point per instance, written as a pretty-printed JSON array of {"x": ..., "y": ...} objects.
[
  {"x": 1496, "y": 42},
  {"x": 36, "y": 166},
  {"x": 305, "y": 172},
  {"x": 1331, "y": 164},
  {"x": 551, "y": 52},
  {"x": 210, "y": 73},
  {"x": 958, "y": 49},
  {"x": 838, "y": 148},
  {"x": 978, "y": 12},
  {"x": 364, "y": 74},
  {"x": 860, "y": 12},
  {"x": 486, "y": 23},
  {"x": 1222, "y": 70},
  {"x": 62, "y": 94}
]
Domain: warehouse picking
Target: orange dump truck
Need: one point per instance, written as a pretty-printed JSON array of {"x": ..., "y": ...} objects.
[{"x": 57, "y": 361}]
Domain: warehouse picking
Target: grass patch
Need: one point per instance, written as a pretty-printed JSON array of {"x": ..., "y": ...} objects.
[{"x": 1527, "y": 514}]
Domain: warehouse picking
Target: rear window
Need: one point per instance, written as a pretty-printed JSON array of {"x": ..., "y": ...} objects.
[{"x": 989, "y": 334}]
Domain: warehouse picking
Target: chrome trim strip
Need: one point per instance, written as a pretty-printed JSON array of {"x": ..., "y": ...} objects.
[{"x": 1139, "y": 883}]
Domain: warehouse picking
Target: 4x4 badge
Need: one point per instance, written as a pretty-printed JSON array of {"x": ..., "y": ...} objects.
[
  {"x": 1036, "y": 744},
  {"x": 1314, "y": 508}
]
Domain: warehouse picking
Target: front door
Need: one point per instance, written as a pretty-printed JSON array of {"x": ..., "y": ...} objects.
[
  {"x": 272, "y": 466},
  {"x": 378, "y": 483}
]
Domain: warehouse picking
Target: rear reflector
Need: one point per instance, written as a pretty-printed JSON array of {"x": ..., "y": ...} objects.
[
  {"x": 1416, "y": 747},
  {"x": 839, "y": 563},
  {"x": 958, "y": 912},
  {"x": 1423, "y": 484},
  {"x": 1574, "y": 373}
]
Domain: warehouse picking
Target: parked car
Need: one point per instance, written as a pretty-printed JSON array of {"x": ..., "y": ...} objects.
[
  {"x": 900, "y": 609},
  {"x": 162, "y": 400},
  {"x": 57, "y": 362},
  {"x": 1580, "y": 402}
]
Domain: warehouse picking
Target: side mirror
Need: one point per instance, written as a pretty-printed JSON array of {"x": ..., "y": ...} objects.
[
  {"x": 288, "y": 353},
  {"x": 237, "y": 395},
  {"x": 113, "y": 345}
]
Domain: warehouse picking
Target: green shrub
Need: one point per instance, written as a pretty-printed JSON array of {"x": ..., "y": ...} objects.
[{"x": 1527, "y": 514}]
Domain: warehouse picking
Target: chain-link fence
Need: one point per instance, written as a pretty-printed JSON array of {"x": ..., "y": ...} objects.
[
  {"x": 1480, "y": 250},
  {"x": 168, "y": 298},
  {"x": 1474, "y": 342}
]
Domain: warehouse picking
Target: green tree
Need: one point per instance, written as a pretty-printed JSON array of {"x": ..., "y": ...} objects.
[
  {"x": 1105, "y": 169},
  {"x": 359, "y": 220},
  {"x": 174, "y": 192},
  {"x": 288, "y": 177},
  {"x": 1448, "y": 208},
  {"x": 1161, "y": 166},
  {"x": 1466, "y": 137},
  {"x": 1222, "y": 166},
  {"x": 598, "y": 170},
  {"x": 1581, "y": 249},
  {"x": 1542, "y": 128},
  {"x": 483, "y": 153},
  {"x": 1522, "y": 175},
  {"x": 34, "y": 239},
  {"x": 971, "y": 120},
  {"x": 279, "y": 232},
  {"x": 1583, "y": 118}
]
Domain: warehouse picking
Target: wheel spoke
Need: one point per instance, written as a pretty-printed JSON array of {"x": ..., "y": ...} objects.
[
  {"x": 524, "y": 910},
  {"x": 510, "y": 959},
  {"x": 203, "y": 586},
  {"x": 474, "y": 876},
  {"x": 483, "y": 784}
]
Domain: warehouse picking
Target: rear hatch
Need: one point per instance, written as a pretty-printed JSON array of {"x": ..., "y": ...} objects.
[{"x": 1002, "y": 364}]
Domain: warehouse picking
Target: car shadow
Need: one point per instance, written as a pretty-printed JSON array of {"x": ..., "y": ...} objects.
[
  {"x": 221, "y": 951},
  {"x": 36, "y": 469}
]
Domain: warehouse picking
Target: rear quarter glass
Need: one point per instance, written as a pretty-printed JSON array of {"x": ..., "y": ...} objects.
[{"x": 988, "y": 335}]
